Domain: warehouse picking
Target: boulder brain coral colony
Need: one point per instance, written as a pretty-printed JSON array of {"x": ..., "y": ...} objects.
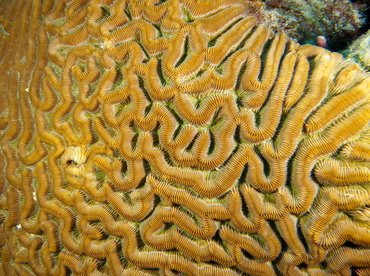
[{"x": 177, "y": 137}]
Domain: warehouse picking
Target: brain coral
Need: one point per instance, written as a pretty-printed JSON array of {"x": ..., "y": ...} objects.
[{"x": 177, "y": 138}]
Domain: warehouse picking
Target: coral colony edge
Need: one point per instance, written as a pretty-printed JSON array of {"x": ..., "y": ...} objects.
[{"x": 177, "y": 137}]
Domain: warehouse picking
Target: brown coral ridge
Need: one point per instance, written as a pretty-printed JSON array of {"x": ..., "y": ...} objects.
[{"x": 177, "y": 137}]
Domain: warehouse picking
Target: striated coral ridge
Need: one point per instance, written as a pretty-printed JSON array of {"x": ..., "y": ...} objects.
[{"x": 177, "y": 137}]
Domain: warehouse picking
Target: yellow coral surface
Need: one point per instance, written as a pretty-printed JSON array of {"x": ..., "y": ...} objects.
[{"x": 177, "y": 137}]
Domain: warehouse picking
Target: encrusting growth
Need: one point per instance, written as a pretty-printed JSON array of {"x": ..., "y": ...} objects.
[{"x": 177, "y": 137}]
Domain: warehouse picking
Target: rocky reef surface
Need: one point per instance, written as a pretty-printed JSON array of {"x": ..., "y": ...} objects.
[
  {"x": 339, "y": 21},
  {"x": 359, "y": 51}
]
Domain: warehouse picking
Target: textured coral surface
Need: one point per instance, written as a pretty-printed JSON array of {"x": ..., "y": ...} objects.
[{"x": 177, "y": 138}]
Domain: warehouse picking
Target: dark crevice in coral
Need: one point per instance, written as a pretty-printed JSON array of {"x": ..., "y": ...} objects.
[
  {"x": 266, "y": 165},
  {"x": 212, "y": 143},
  {"x": 147, "y": 169},
  {"x": 213, "y": 41},
  {"x": 185, "y": 52},
  {"x": 155, "y": 135},
  {"x": 160, "y": 2},
  {"x": 143, "y": 88},
  {"x": 302, "y": 238},
  {"x": 160, "y": 73},
  {"x": 190, "y": 146}
]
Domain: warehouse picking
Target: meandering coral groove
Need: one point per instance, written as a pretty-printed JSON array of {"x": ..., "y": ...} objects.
[{"x": 177, "y": 137}]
